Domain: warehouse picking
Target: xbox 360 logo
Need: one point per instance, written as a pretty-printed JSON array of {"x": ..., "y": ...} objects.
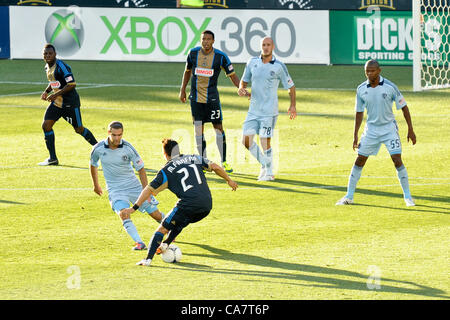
[{"x": 65, "y": 31}]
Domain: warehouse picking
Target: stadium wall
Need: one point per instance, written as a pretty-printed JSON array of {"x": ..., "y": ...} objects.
[{"x": 166, "y": 35}]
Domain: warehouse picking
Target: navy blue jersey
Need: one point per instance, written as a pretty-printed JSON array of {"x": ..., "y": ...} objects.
[
  {"x": 59, "y": 75},
  {"x": 205, "y": 71},
  {"x": 183, "y": 175}
]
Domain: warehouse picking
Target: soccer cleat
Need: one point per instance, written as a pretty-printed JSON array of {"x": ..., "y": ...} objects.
[
  {"x": 344, "y": 201},
  {"x": 139, "y": 246},
  {"x": 49, "y": 162},
  {"x": 267, "y": 177},
  {"x": 227, "y": 167},
  {"x": 162, "y": 248},
  {"x": 409, "y": 202},
  {"x": 262, "y": 173},
  {"x": 144, "y": 262}
]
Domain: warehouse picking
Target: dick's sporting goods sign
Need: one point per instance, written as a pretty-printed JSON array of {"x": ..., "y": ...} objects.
[
  {"x": 359, "y": 36},
  {"x": 166, "y": 34}
]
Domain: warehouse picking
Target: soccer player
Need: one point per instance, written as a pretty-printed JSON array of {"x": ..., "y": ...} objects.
[
  {"x": 64, "y": 102},
  {"x": 116, "y": 156},
  {"x": 183, "y": 175},
  {"x": 204, "y": 64},
  {"x": 265, "y": 73},
  {"x": 376, "y": 95}
]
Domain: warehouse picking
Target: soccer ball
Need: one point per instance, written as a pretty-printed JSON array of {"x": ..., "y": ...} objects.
[{"x": 172, "y": 254}]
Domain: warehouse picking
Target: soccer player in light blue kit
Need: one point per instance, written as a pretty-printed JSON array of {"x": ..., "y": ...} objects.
[
  {"x": 116, "y": 156},
  {"x": 264, "y": 73},
  {"x": 376, "y": 95}
]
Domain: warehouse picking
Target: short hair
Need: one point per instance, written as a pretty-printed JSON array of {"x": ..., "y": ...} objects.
[
  {"x": 372, "y": 63},
  {"x": 171, "y": 147},
  {"x": 49, "y": 45},
  {"x": 115, "y": 125},
  {"x": 208, "y": 32}
]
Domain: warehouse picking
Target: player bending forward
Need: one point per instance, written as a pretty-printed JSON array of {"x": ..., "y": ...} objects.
[{"x": 183, "y": 175}]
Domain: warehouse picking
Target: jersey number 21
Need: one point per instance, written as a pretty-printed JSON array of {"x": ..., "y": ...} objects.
[{"x": 185, "y": 171}]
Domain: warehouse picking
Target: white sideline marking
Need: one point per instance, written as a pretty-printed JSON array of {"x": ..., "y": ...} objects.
[{"x": 39, "y": 92}]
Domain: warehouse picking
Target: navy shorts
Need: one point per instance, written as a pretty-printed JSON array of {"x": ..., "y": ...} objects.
[
  {"x": 206, "y": 112},
  {"x": 71, "y": 114},
  {"x": 180, "y": 218}
]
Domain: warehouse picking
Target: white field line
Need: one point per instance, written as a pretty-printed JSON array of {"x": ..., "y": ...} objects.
[
  {"x": 246, "y": 188},
  {"x": 39, "y": 92}
]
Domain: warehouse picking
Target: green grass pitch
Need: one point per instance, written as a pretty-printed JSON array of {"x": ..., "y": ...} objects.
[{"x": 274, "y": 240}]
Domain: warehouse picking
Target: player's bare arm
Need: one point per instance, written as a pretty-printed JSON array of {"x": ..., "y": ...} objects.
[
  {"x": 292, "y": 111},
  {"x": 358, "y": 120},
  {"x": 221, "y": 173},
  {"x": 235, "y": 79},
  {"x": 411, "y": 135},
  {"x": 186, "y": 77},
  {"x": 46, "y": 92},
  {"x": 94, "y": 175},
  {"x": 145, "y": 194},
  {"x": 68, "y": 87},
  {"x": 242, "y": 91}
]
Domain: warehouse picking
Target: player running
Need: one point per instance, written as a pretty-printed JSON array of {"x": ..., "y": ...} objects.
[
  {"x": 265, "y": 73},
  {"x": 183, "y": 175},
  {"x": 116, "y": 156},
  {"x": 377, "y": 95},
  {"x": 204, "y": 64},
  {"x": 64, "y": 102}
]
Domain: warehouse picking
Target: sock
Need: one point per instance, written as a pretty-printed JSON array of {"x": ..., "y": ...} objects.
[
  {"x": 221, "y": 145},
  {"x": 50, "y": 143},
  {"x": 256, "y": 152},
  {"x": 404, "y": 181},
  {"x": 355, "y": 174},
  {"x": 155, "y": 242},
  {"x": 89, "y": 136},
  {"x": 172, "y": 235},
  {"x": 269, "y": 156},
  {"x": 201, "y": 145},
  {"x": 130, "y": 228}
]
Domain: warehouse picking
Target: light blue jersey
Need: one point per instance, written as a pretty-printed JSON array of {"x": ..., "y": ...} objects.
[
  {"x": 265, "y": 79},
  {"x": 378, "y": 102},
  {"x": 118, "y": 165}
]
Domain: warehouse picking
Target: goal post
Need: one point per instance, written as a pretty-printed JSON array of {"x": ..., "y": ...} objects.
[{"x": 431, "y": 44}]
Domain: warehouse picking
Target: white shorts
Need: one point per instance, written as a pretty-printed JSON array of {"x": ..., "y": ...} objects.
[
  {"x": 262, "y": 126},
  {"x": 373, "y": 137},
  {"x": 123, "y": 199}
]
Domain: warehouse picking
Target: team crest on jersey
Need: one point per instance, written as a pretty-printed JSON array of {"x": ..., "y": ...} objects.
[
  {"x": 384, "y": 95},
  {"x": 125, "y": 158},
  {"x": 204, "y": 72},
  {"x": 272, "y": 73}
]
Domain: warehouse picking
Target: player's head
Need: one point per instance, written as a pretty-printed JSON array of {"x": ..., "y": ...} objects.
[
  {"x": 207, "y": 40},
  {"x": 372, "y": 70},
  {"x": 49, "y": 53},
  {"x": 170, "y": 148},
  {"x": 267, "y": 46},
  {"x": 115, "y": 133}
]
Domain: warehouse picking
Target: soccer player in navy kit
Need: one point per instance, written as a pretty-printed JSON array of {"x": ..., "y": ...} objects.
[
  {"x": 183, "y": 175},
  {"x": 204, "y": 64},
  {"x": 376, "y": 95},
  {"x": 64, "y": 102}
]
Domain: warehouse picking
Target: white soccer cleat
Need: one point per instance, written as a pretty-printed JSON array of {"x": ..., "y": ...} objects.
[
  {"x": 49, "y": 162},
  {"x": 409, "y": 202},
  {"x": 267, "y": 177},
  {"x": 262, "y": 173},
  {"x": 144, "y": 262},
  {"x": 344, "y": 201}
]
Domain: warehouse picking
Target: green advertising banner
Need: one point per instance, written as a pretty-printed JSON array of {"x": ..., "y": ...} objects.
[{"x": 356, "y": 37}]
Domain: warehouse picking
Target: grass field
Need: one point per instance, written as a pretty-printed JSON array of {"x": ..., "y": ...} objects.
[{"x": 275, "y": 240}]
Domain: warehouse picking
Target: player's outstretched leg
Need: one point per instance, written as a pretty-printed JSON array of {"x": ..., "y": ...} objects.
[
  {"x": 87, "y": 135},
  {"x": 402, "y": 175},
  {"x": 155, "y": 242}
]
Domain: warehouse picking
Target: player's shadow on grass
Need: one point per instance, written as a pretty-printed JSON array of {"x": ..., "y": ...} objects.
[
  {"x": 341, "y": 189},
  {"x": 11, "y": 202},
  {"x": 318, "y": 276}
]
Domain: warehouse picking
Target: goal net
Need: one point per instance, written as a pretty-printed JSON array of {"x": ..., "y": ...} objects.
[{"x": 431, "y": 34}]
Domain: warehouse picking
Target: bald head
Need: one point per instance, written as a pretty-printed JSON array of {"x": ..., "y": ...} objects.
[
  {"x": 372, "y": 63},
  {"x": 267, "y": 47}
]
